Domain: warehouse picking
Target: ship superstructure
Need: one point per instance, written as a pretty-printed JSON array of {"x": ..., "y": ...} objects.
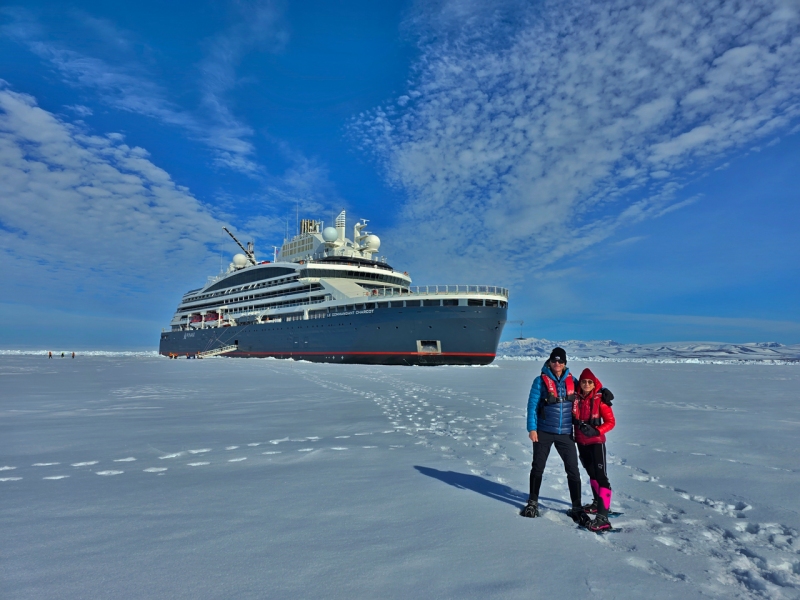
[{"x": 328, "y": 298}]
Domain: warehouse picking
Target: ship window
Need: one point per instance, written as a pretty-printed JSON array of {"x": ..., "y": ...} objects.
[
  {"x": 473, "y": 302},
  {"x": 412, "y": 303},
  {"x": 432, "y": 302},
  {"x": 491, "y": 303},
  {"x": 372, "y": 305},
  {"x": 503, "y": 304},
  {"x": 383, "y": 305},
  {"x": 450, "y": 302},
  {"x": 249, "y": 276},
  {"x": 350, "y": 307}
]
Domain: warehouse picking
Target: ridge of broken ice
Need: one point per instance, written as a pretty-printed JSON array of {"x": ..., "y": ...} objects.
[{"x": 673, "y": 352}]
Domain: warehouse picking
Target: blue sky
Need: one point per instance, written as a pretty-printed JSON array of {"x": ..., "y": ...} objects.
[{"x": 628, "y": 170}]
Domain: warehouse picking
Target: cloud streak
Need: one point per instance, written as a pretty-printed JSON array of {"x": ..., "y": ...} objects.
[
  {"x": 85, "y": 216},
  {"x": 127, "y": 86},
  {"x": 535, "y": 133},
  {"x": 258, "y": 28}
]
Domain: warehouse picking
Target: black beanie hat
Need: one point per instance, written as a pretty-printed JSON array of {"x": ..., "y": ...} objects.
[{"x": 559, "y": 353}]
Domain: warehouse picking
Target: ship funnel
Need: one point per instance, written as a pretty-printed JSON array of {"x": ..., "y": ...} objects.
[{"x": 340, "y": 224}]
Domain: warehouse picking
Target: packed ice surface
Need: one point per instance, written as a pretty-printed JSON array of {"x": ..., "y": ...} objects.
[{"x": 142, "y": 477}]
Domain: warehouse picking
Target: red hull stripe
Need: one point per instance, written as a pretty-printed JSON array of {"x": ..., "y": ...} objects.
[{"x": 333, "y": 352}]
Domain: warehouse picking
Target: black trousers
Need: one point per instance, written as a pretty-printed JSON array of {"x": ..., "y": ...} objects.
[
  {"x": 565, "y": 446},
  {"x": 593, "y": 459}
]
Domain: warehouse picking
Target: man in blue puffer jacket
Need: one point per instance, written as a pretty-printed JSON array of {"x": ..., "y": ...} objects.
[{"x": 550, "y": 423}]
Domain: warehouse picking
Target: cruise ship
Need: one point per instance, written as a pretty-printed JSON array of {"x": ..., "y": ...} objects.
[{"x": 327, "y": 298}]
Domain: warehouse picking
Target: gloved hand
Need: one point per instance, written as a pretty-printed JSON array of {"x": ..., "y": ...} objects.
[
  {"x": 588, "y": 430},
  {"x": 607, "y": 395}
]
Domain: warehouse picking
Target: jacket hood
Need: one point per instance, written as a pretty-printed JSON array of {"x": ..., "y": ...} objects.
[
  {"x": 546, "y": 371},
  {"x": 587, "y": 374}
]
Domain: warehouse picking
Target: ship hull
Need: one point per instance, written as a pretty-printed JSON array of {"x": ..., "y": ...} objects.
[{"x": 393, "y": 336}]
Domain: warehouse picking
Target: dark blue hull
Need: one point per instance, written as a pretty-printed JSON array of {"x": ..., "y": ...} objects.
[{"x": 426, "y": 335}]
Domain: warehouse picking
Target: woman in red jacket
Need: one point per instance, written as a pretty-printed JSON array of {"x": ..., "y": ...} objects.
[{"x": 594, "y": 418}]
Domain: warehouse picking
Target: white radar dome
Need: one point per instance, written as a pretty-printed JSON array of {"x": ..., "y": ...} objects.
[
  {"x": 240, "y": 261},
  {"x": 373, "y": 242},
  {"x": 329, "y": 234}
]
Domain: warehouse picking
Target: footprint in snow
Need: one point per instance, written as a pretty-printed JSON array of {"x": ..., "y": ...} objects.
[{"x": 652, "y": 567}]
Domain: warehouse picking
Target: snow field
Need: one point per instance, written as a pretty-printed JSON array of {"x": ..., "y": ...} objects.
[{"x": 274, "y": 478}]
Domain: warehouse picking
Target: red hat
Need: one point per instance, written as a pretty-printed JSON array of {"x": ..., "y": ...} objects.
[{"x": 587, "y": 374}]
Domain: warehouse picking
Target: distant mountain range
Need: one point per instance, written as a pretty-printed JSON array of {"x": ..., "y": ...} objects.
[{"x": 608, "y": 350}]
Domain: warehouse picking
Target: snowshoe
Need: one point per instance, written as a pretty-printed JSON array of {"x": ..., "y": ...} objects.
[
  {"x": 531, "y": 509},
  {"x": 599, "y": 525}
]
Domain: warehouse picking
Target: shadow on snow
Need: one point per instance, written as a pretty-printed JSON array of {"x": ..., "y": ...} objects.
[{"x": 485, "y": 487}]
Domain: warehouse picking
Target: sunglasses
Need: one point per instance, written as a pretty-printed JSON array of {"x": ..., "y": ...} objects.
[
  {"x": 559, "y": 360},
  {"x": 586, "y": 382}
]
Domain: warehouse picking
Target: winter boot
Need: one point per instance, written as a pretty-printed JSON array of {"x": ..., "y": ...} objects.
[
  {"x": 531, "y": 509},
  {"x": 599, "y": 524},
  {"x": 575, "y": 513},
  {"x": 591, "y": 508}
]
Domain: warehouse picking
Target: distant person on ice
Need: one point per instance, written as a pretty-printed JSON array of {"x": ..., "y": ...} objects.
[
  {"x": 550, "y": 423},
  {"x": 593, "y": 419}
]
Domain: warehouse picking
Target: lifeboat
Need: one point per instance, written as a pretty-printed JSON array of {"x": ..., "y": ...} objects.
[{"x": 212, "y": 316}]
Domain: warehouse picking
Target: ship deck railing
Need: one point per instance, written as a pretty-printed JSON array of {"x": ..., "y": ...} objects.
[{"x": 441, "y": 289}]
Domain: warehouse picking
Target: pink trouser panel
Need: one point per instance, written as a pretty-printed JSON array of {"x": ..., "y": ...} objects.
[
  {"x": 595, "y": 487},
  {"x": 605, "y": 496}
]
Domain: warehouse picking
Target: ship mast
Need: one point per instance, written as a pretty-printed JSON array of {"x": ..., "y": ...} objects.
[{"x": 251, "y": 256}]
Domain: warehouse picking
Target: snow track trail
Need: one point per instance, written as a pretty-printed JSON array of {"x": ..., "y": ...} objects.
[
  {"x": 705, "y": 514},
  {"x": 746, "y": 559}
]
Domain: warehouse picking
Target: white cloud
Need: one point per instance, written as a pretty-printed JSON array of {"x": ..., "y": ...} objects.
[
  {"x": 122, "y": 82},
  {"x": 80, "y": 110},
  {"x": 529, "y": 134},
  {"x": 256, "y": 28},
  {"x": 87, "y": 217}
]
